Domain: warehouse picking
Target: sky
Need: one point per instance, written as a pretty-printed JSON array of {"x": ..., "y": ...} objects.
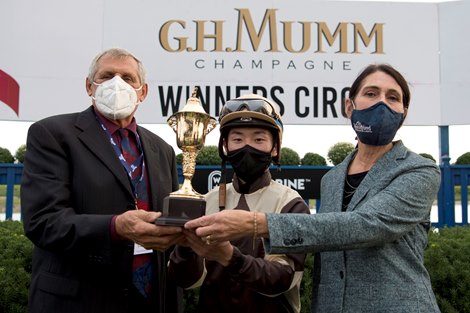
[{"x": 300, "y": 138}]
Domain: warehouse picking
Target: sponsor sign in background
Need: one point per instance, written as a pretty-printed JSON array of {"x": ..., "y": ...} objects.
[
  {"x": 303, "y": 55},
  {"x": 305, "y": 180},
  {"x": 454, "y": 62}
]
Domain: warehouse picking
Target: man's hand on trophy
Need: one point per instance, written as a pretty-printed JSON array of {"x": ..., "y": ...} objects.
[{"x": 138, "y": 226}]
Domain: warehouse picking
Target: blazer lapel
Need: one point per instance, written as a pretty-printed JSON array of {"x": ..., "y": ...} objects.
[
  {"x": 363, "y": 189},
  {"x": 152, "y": 161},
  {"x": 332, "y": 194},
  {"x": 97, "y": 141}
]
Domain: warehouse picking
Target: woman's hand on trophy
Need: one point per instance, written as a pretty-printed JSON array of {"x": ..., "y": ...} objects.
[{"x": 223, "y": 226}]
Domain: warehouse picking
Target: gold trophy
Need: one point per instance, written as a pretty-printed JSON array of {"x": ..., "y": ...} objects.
[{"x": 191, "y": 125}]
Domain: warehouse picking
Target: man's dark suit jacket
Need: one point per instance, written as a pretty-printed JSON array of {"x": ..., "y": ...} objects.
[{"x": 72, "y": 185}]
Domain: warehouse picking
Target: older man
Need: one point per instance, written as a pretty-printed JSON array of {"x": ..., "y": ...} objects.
[{"x": 92, "y": 187}]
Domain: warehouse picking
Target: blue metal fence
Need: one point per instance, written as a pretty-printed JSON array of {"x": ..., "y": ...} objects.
[
  {"x": 10, "y": 175},
  {"x": 452, "y": 176}
]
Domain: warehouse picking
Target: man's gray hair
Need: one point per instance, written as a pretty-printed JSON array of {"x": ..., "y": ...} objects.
[{"x": 116, "y": 53}]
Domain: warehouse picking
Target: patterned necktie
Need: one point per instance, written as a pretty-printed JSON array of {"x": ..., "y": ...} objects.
[
  {"x": 142, "y": 268},
  {"x": 128, "y": 153}
]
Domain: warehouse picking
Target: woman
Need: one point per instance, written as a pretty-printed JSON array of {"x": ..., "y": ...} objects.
[{"x": 371, "y": 230}]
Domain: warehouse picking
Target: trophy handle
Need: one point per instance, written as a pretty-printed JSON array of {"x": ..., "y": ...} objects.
[
  {"x": 173, "y": 123},
  {"x": 212, "y": 123}
]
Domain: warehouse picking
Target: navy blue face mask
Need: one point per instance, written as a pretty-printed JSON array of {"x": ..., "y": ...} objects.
[{"x": 376, "y": 125}]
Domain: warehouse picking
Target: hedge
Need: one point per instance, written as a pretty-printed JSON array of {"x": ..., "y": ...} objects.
[
  {"x": 15, "y": 267},
  {"x": 446, "y": 258}
]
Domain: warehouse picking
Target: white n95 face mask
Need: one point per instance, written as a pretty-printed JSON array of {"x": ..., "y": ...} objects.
[{"x": 115, "y": 98}]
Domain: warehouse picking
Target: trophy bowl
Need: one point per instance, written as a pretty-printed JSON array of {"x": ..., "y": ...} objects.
[{"x": 191, "y": 126}]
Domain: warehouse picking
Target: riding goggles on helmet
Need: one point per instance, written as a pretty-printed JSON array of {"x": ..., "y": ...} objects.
[{"x": 253, "y": 105}]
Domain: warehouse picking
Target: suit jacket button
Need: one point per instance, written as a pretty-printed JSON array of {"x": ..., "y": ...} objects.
[
  {"x": 287, "y": 242},
  {"x": 300, "y": 240}
]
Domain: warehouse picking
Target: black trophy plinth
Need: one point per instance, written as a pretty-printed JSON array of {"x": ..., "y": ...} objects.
[{"x": 179, "y": 210}]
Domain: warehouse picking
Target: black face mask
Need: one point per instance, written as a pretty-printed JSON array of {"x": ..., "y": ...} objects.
[{"x": 249, "y": 163}]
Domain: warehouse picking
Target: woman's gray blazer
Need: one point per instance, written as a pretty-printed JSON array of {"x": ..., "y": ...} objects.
[{"x": 369, "y": 258}]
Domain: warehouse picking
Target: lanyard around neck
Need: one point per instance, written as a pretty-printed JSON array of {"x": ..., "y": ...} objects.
[{"x": 130, "y": 168}]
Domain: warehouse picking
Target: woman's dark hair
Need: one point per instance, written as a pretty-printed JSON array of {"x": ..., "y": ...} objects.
[{"x": 387, "y": 69}]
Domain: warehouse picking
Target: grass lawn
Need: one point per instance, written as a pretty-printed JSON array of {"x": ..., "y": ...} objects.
[
  {"x": 458, "y": 193},
  {"x": 16, "y": 200}
]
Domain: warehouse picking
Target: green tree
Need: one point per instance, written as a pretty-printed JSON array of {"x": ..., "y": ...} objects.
[
  {"x": 19, "y": 155},
  {"x": 289, "y": 157},
  {"x": 6, "y": 156},
  {"x": 339, "y": 151},
  {"x": 179, "y": 158},
  {"x": 311, "y": 158},
  {"x": 463, "y": 159},
  {"x": 427, "y": 156},
  {"x": 209, "y": 155}
]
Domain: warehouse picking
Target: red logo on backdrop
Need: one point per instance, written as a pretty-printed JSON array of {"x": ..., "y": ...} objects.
[{"x": 9, "y": 91}]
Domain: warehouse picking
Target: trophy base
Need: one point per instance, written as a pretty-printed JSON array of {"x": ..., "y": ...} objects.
[{"x": 179, "y": 210}]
